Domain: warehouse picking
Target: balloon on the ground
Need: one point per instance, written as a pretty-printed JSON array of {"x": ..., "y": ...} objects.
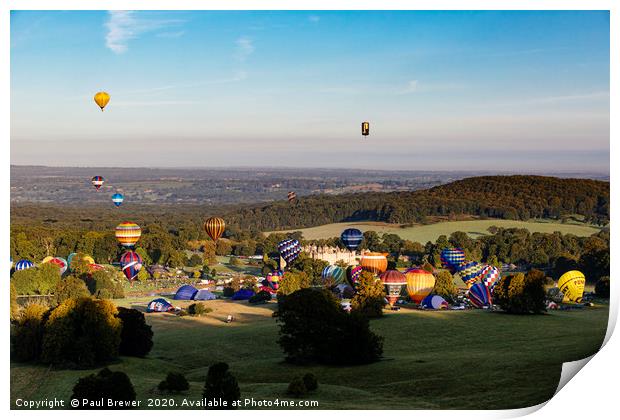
[
  {"x": 97, "y": 181},
  {"x": 159, "y": 305},
  {"x": 61, "y": 263},
  {"x": 70, "y": 258},
  {"x": 334, "y": 274},
  {"x": 420, "y": 283},
  {"x": 131, "y": 264},
  {"x": 214, "y": 226},
  {"x": 375, "y": 262},
  {"x": 185, "y": 292},
  {"x": 365, "y": 128},
  {"x": 452, "y": 257},
  {"x": 23, "y": 265},
  {"x": 289, "y": 250},
  {"x": 393, "y": 280},
  {"x": 479, "y": 295},
  {"x": 353, "y": 274},
  {"x": 117, "y": 199},
  {"x": 291, "y": 196},
  {"x": 490, "y": 276},
  {"x": 352, "y": 238},
  {"x": 127, "y": 234},
  {"x": 571, "y": 284},
  {"x": 470, "y": 272},
  {"x": 434, "y": 302},
  {"x": 102, "y": 99}
]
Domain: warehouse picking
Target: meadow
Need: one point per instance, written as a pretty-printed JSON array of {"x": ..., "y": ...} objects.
[
  {"x": 430, "y": 232},
  {"x": 432, "y": 360}
]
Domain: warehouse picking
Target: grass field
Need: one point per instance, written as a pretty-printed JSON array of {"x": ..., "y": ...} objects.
[
  {"x": 425, "y": 233},
  {"x": 432, "y": 360}
]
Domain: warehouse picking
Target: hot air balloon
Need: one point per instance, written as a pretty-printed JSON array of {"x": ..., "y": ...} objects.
[
  {"x": 393, "y": 280},
  {"x": 70, "y": 258},
  {"x": 365, "y": 128},
  {"x": 479, "y": 295},
  {"x": 470, "y": 272},
  {"x": 352, "y": 238},
  {"x": 334, "y": 275},
  {"x": 353, "y": 274},
  {"x": 571, "y": 284},
  {"x": 434, "y": 302},
  {"x": 273, "y": 279},
  {"x": 102, "y": 99},
  {"x": 292, "y": 196},
  {"x": 117, "y": 199},
  {"x": 289, "y": 250},
  {"x": 97, "y": 182},
  {"x": 23, "y": 265},
  {"x": 131, "y": 263},
  {"x": 88, "y": 259},
  {"x": 419, "y": 284},
  {"x": 127, "y": 234},
  {"x": 57, "y": 261},
  {"x": 214, "y": 226},
  {"x": 375, "y": 262},
  {"x": 95, "y": 267},
  {"x": 490, "y": 276},
  {"x": 452, "y": 257}
]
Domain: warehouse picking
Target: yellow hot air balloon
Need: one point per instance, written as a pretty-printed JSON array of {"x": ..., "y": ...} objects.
[
  {"x": 375, "y": 262},
  {"x": 571, "y": 284},
  {"x": 420, "y": 283},
  {"x": 102, "y": 99},
  {"x": 215, "y": 226}
]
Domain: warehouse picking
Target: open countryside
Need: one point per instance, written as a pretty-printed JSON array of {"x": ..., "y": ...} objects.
[{"x": 430, "y": 232}]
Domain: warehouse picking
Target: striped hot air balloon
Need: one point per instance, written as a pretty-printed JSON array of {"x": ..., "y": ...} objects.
[
  {"x": 452, "y": 257},
  {"x": 127, "y": 234},
  {"x": 23, "y": 265},
  {"x": 289, "y": 250},
  {"x": 273, "y": 279},
  {"x": 61, "y": 263},
  {"x": 393, "y": 280},
  {"x": 215, "y": 227},
  {"x": 375, "y": 262},
  {"x": 353, "y": 274},
  {"x": 490, "y": 276},
  {"x": 117, "y": 199},
  {"x": 352, "y": 238},
  {"x": 420, "y": 283},
  {"x": 97, "y": 181},
  {"x": 571, "y": 284},
  {"x": 292, "y": 196},
  {"x": 479, "y": 295},
  {"x": 334, "y": 274},
  {"x": 131, "y": 264},
  {"x": 470, "y": 272}
]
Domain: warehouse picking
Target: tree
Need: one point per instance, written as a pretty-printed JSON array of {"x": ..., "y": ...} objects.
[
  {"x": 136, "y": 334},
  {"x": 195, "y": 260},
  {"x": 221, "y": 385},
  {"x": 14, "y": 305},
  {"x": 37, "y": 280},
  {"x": 104, "y": 386},
  {"x": 82, "y": 332},
  {"x": 370, "y": 297},
  {"x": 102, "y": 284},
  {"x": 27, "y": 338},
  {"x": 521, "y": 294},
  {"x": 292, "y": 281},
  {"x": 444, "y": 285},
  {"x": 174, "y": 382},
  {"x": 69, "y": 287}
]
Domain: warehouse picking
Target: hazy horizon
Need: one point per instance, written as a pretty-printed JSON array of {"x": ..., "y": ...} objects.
[{"x": 513, "y": 92}]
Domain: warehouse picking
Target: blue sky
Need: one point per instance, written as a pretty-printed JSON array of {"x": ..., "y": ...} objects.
[{"x": 515, "y": 91}]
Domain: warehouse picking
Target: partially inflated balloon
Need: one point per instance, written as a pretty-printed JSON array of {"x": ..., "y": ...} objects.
[
  {"x": 571, "y": 284},
  {"x": 289, "y": 250},
  {"x": 470, "y": 272},
  {"x": 353, "y": 274},
  {"x": 393, "y": 280},
  {"x": 117, "y": 199},
  {"x": 97, "y": 181},
  {"x": 420, "y": 283},
  {"x": 352, "y": 238},
  {"x": 479, "y": 295},
  {"x": 434, "y": 302},
  {"x": 102, "y": 99},
  {"x": 334, "y": 274},
  {"x": 215, "y": 226},
  {"x": 127, "y": 234},
  {"x": 61, "y": 263},
  {"x": 375, "y": 262},
  {"x": 131, "y": 264}
]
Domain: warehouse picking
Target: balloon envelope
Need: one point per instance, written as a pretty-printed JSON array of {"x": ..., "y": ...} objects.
[
  {"x": 479, "y": 295},
  {"x": 572, "y": 284},
  {"x": 353, "y": 274},
  {"x": 375, "y": 262},
  {"x": 117, "y": 199},
  {"x": 127, "y": 234},
  {"x": 470, "y": 272},
  {"x": 452, "y": 257},
  {"x": 214, "y": 226},
  {"x": 289, "y": 250},
  {"x": 291, "y": 196},
  {"x": 352, "y": 238},
  {"x": 23, "y": 265},
  {"x": 393, "y": 280},
  {"x": 131, "y": 264},
  {"x": 420, "y": 283},
  {"x": 102, "y": 99},
  {"x": 334, "y": 274},
  {"x": 490, "y": 276},
  {"x": 434, "y": 302},
  {"x": 97, "y": 182}
]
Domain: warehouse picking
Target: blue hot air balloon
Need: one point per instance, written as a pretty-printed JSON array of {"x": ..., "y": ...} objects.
[
  {"x": 289, "y": 250},
  {"x": 452, "y": 257},
  {"x": 352, "y": 238},
  {"x": 117, "y": 199},
  {"x": 23, "y": 265},
  {"x": 479, "y": 295}
]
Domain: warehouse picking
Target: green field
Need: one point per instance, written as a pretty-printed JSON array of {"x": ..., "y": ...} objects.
[
  {"x": 432, "y": 360},
  {"x": 425, "y": 233}
]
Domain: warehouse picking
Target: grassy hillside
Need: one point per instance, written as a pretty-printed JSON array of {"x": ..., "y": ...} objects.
[
  {"x": 425, "y": 233},
  {"x": 432, "y": 359}
]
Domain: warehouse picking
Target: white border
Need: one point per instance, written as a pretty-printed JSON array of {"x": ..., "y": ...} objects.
[{"x": 590, "y": 394}]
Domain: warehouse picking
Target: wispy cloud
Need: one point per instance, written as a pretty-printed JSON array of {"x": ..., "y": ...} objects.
[
  {"x": 125, "y": 25},
  {"x": 245, "y": 47},
  {"x": 314, "y": 18},
  {"x": 176, "y": 34}
]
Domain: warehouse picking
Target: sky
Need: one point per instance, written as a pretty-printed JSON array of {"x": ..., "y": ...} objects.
[{"x": 464, "y": 90}]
